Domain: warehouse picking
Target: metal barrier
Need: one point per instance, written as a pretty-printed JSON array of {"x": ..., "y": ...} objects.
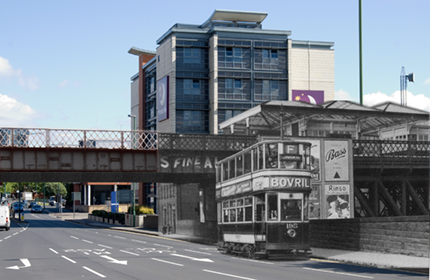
[{"x": 71, "y": 138}]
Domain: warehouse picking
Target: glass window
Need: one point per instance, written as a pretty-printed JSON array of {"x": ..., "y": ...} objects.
[
  {"x": 248, "y": 214},
  {"x": 272, "y": 206},
  {"x": 232, "y": 169},
  {"x": 239, "y": 165},
  {"x": 232, "y": 215},
  {"x": 225, "y": 171},
  {"x": 247, "y": 162},
  {"x": 291, "y": 209},
  {"x": 226, "y": 215},
  {"x": 272, "y": 155}
]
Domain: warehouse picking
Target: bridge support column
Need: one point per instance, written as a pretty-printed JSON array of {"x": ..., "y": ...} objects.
[{"x": 89, "y": 195}]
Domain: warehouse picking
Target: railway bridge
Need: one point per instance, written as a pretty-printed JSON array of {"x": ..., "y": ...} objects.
[{"x": 391, "y": 178}]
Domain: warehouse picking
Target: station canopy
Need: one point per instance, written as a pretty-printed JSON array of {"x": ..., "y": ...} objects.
[{"x": 267, "y": 116}]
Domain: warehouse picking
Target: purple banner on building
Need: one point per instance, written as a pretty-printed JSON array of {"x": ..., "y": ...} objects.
[
  {"x": 163, "y": 99},
  {"x": 315, "y": 97}
]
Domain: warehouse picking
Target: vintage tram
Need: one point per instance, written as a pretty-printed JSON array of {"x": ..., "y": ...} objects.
[{"x": 262, "y": 197}]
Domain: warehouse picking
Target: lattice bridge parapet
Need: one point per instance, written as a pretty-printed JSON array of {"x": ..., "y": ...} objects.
[{"x": 71, "y": 138}]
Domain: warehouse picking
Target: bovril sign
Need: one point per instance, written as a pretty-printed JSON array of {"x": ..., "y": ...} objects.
[{"x": 281, "y": 183}]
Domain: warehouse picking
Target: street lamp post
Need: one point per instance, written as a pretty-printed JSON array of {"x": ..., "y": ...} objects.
[{"x": 134, "y": 147}]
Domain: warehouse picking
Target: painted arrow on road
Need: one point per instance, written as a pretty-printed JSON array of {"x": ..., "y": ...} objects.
[
  {"x": 191, "y": 258},
  {"x": 26, "y": 263},
  {"x": 112, "y": 260}
]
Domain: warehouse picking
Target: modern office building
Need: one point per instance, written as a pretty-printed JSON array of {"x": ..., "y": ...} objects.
[{"x": 204, "y": 74}]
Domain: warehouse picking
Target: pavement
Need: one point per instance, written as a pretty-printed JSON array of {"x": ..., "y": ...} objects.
[{"x": 373, "y": 259}]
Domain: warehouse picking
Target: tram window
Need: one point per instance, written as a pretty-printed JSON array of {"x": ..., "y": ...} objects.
[
  {"x": 248, "y": 214},
  {"x": 239, "y": 202},
  {"x": 226, "y": 215},
  {"x": 225, "y": 171},
  {"x": 259, "y": 213},
  {"x": 260, "y": 157},
  {"x": 306, "y": 208},
  {"x": 291, "y": 209},
  {"x": 232, "y": 203},
  {"x": 232, "y": 169},
  {"x": 248, "y": 201},
  {"x": 272, "y": 205},
  {"x": 240, "y": 214},
  {"x": 247, "y": 162},
  {"x": 232, "y": 215},
  {"x": 272, "y": 155},
  {"x": 225, "y": 204},
  {"x": 239, "y": 165}
]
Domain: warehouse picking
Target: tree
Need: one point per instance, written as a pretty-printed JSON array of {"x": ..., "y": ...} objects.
[{"x": 52, "y": 189}]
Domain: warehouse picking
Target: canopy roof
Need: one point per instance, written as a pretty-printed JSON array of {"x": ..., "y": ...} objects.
[
  {"x": 267, "y": 116},
  {"x": 229, "y": 15}
]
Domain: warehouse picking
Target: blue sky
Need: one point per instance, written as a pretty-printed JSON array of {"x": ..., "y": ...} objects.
[{"x": 64, "y": 64}]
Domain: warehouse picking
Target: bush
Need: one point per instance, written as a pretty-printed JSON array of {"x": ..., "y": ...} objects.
[{"x": 141, "y": 210}]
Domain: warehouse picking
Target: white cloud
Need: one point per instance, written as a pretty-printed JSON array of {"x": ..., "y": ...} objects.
[
  {"x": 427, "y": 81},
  {"x": 419, "y": 101},
  {"x": 7, "y": 71},
  {"x": 342, "y": 95},
  {"x": 16, "y": 114},
  {"x": 67, "y": 83},
  {"x": 64, "y": 83}
]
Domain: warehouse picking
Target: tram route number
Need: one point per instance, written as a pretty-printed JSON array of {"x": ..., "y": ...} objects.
[{"x": 292, "y": 226}]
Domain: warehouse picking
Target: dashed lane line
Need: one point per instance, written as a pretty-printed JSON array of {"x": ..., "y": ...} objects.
[
  {"x": 95, "y": 272},
  {"x": 70, "y": 260},
  {"x": 158, "y": 260}
]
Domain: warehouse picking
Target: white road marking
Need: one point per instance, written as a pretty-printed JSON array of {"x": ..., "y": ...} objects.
[
  {"x": 204, "y": 253},
  {"x": 8, "y": 237},
  {"x": 74, "y": 237},
  {"x": 249, "y": 260},
  {"x": 162, "y": 245},
  {"x": 119, "y": 237},
  {"x": 342, "y": 273},
  {"x": 138, "y": 241},
  {"x": 70, "y": 260},
  {"x": 26, "y": 263},
  {"x": 230, "y": 275},
  {"x": 15, "y": 233},
  {"x": 105, "y": 246},
  {"x": 112, "y": 260},
  {"x": 87, "y": 241},
  {"x": 178, "y": 264},
  {"x": 192, "y": 258},
  {"x": 130, "y": 253},
  {"x": 53, "y": 250},
  {"x": 95, "y": 272}
]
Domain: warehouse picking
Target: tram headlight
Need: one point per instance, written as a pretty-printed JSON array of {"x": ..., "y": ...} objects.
[{"x": 292, "y": 233}]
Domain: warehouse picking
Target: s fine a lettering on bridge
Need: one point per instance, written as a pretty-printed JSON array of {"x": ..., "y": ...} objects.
[{"x": 391, "y": 178}]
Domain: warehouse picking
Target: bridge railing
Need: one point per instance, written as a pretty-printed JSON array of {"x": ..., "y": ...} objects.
[
  {"x": 71, "y": 138},
  {"x": 393, "y": 150},
  {"x": 198, "y": 142}
]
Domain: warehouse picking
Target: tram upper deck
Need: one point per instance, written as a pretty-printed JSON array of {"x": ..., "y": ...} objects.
[{"x": 285, "y": 164}]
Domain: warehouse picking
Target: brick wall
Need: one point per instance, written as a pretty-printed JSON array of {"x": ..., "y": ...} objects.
[{"x": 396, "y": 235}]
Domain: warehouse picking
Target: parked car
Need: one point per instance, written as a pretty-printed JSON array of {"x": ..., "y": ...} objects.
[
  {"x": 18, "y": 207},
  {"x": 52, "y": 201},
  {"x": 32, "y": 204},
  {"x": 4, "y": 217},
  {"x": 36, "y": 209}
]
